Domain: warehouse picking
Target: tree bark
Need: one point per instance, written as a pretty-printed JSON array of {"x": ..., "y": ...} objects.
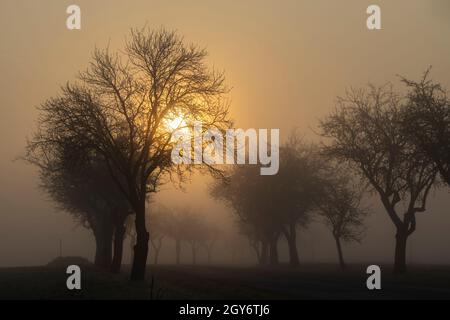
[
  {"x": 258, "y": 252},
  {"x": 400, "y": 250},
  {"x": 273, "y": 252},
  {"x": 103, "y": 252},
  {"x": 340, "y": 254},
  {"x": 132, "y": 244},
  {"x": 141, "y": 247},
  {"x": 119, "y": 236},
  {"x": 291, "y": 238},
  {"x": 97, "y": 257},
  {"x": 99, "y": 252}
]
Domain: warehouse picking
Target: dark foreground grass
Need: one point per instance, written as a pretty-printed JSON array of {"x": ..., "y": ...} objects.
[{"x": 310, "y": 281}]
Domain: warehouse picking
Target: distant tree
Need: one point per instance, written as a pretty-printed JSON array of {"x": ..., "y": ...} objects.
[
  {"x": 187, "y": 225},
  {"x": 157, "y": 226},
  {"x": 295, "y": 188},
  {"x": 255, "y": 241},
  {"x": 212, "y": 234},
  {"x": 427, "y": 121},
  {"x": 249, "y": 195},
  {"x": 195, "y": 231},
  {"x": 340, "y": 207},
  {"x": 277, "y": 205},
  {"x": 174, "y": 230},
  {"x": 366, "y": 131},
  {"x": 123, "y": 105}
]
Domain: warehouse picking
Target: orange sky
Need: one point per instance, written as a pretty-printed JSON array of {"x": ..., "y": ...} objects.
[{"x": 285, "y": 60}]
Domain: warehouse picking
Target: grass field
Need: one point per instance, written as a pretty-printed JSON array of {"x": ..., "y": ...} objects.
[{"x": 310, "y": 281}]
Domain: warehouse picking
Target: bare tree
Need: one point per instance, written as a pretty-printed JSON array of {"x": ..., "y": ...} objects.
[
  {"x": 79, "y": 182},
  {"x": 157, "y": 226},
  {"x": 123, "y": 105},
  {"x": 255, "y": 240},
  {"x": 295, "y": 188},
  {"x": 212, "y": 234},
  {"x": 194, "y": 231},
  {"x": 427, "y": 121},
  {"x": 174, "y": 229},
  {"x": 271, "y": 206},
  {"x": 340, "y": 207},
  {"x": 249, "y": 195},
  {"x": 365, "y": 130}
]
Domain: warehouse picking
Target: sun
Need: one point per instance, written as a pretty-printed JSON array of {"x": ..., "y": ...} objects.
[{"x": 176, "y": 123}]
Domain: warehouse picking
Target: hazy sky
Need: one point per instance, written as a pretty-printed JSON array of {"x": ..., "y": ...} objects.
[{"x": 285, "y": 60}]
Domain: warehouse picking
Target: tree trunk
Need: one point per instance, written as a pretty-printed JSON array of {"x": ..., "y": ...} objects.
[
  {"x": 258, "y": 252},
  {"x": 119, "y": 236},
  {"x": 400, "y": 251},
  {"x": 157, "y": 249},
  {"x": 132, "y": 244},
  {"x": 273, "y": 252},
  {"x": 291, "y": 238},
  {"x": 178, "y": 250},
  {"x": 103, "y": 252},
  {"x": 293, "y": 253},
  {"x": 264, "y": 253},
  {"x": 255, "y": 245},
  {"x": 98, "y": 251},
  {"x": 340, "y": 254},
  {"x": 155, "y": 261},
  {"x": 141, "y": 247},
  {"x": 194, "y": 254}
]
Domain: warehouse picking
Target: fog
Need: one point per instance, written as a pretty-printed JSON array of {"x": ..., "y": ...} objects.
[{"x": 286, "y": 63}]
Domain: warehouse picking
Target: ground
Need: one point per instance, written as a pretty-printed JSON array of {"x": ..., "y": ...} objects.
[{"x": 310, "y": 281}]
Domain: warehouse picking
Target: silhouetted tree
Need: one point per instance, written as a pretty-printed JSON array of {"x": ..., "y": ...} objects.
[
  {"x": 365, "y": 130},
  {"x": 122, "y": 105},
  {"x": 191, "y": 227},
  {"x": 249, "y": 195},
  {"x": 340, "y": 207},
  {"x": 175, "y": 230},
  {"x": 255, "y": 241},
  {"x": 295, "y": 188},
  {"x": 212, "y": 234},
  {"x": 157, "y": 226},
  {"x": 79, "y": 182},
  {"x": 276, "y": 205},
  {"x": 194, "y": 230},
  {"x": 427, "y": 121}
]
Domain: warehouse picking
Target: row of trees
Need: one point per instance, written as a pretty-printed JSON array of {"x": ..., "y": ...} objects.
[
  {"x": 307, "y": 184},
  {"x": 103, "y": 145},
  {"x": 398, "y": 144},
  {"x": 181, "y": 225},
  {"x": 393, "y": 145}
]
